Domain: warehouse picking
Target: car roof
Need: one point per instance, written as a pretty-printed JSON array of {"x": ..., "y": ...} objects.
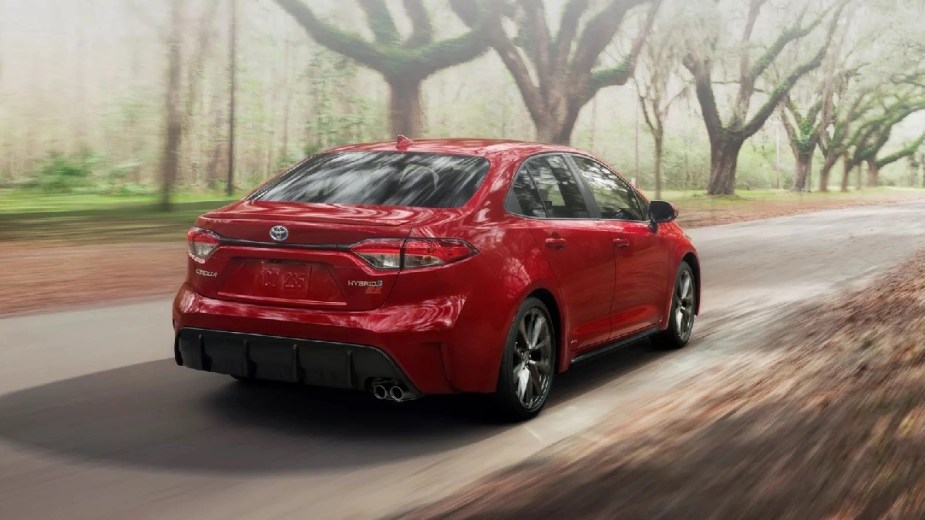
[{"x": 461, "y": 146}]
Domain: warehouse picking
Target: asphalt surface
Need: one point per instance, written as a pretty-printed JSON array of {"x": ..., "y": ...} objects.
[{"x": 96, "y": 421}]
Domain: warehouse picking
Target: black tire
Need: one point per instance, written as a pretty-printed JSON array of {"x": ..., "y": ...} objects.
[
  {"x": 538, "y": 365},
  {"x": 683, "y": 301}
]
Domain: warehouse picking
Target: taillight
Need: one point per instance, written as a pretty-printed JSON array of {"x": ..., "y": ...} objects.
[
  {"x": 202, "y": 243},
  {"x": 412, "y": 253},
  {"x": 381, "y": 254},
  {"x": 429, "y": 252}
]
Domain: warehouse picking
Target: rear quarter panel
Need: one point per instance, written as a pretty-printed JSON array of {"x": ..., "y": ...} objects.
[{"x": 507, "y": 269}]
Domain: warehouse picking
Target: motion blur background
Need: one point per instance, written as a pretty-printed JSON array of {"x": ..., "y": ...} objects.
[
  {"x": 800, "y": 395},
  {"x": 86, "y": 89}
]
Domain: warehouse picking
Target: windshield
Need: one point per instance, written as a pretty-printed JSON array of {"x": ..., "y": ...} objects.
[{"x": 380, "y": 179}]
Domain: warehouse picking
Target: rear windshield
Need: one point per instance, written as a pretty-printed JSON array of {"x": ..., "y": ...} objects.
[{"x": 380, "y": 179}]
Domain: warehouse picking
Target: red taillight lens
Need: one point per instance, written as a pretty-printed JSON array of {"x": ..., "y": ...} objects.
[
  {"x": 381, "y": 254},
  {"x": 202, "y": 243},
  {"x": 412, "y": 253},
  {"x": 429, "y": 252}
]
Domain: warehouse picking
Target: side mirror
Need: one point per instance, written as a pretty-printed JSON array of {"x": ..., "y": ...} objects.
[{"x": 662, "y": 211}]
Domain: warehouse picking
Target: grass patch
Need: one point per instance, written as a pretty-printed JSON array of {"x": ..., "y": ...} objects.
[
  {"x": 21, "y": 202},
  {"x": 95, "y": 218}
]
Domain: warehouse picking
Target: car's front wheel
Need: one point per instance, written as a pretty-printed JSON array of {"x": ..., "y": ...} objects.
[
  {"x": 528, "y": 365},
  {"x": 683, "y": 308}
]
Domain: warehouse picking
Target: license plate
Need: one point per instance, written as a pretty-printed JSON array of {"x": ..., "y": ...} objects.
[{"x": 284, "y": 280}]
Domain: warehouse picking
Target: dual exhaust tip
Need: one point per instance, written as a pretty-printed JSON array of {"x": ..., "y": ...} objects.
[{"x": 391, "y": 391}]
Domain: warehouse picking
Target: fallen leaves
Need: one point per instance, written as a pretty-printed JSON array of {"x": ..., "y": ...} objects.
[{"x": 832, "y": 427}]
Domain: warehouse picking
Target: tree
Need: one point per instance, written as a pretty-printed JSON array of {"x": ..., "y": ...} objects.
[
  {"x": 652, "y": 88},
  {"x": 404, "y": 62},
  {"x": 806, "y": 128},
  {"x": 557, "y": 75},
  {"x": 173, "y": 117},
  {"x": 875, "y": 163},
  {"x": 803, "y": 133},
  {"x": 845, "y": 130},
  {"x": 232, "y": 90},
  {"x": 177, "y": 106},
  {"x": 916, "y": 164},
  {"x": 865, "y": 131},
  {"x": 707, "y": 57}
]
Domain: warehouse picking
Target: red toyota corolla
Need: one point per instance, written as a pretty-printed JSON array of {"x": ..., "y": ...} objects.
[{"x": 434, "y": 267}]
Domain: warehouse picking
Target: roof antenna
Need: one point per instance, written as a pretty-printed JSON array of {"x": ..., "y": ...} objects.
[{"x": 403, "y": 143}]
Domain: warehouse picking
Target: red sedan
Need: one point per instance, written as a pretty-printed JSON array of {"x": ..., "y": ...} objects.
[{"x": 432, "y": 267}]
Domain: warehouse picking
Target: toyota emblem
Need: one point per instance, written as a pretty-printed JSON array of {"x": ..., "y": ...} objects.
[{"x": 279, "y": 233}]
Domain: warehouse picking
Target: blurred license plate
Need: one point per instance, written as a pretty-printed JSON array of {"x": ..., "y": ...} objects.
[{"x": 284, "y": 280}]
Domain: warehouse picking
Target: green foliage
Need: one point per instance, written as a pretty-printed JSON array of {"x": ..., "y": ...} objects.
[
  {"x": 118, "y": 179},
  {"x": 339, "y": 117},
  {"x": 805, "y": 141},
  {"x": 60, "y": 173}
]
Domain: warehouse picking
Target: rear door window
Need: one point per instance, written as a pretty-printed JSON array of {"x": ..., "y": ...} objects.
[
  {"x": 380, "y": 179},
  {"x": 558, "y": 188},
  {"x": 616, "y": 199},
  {"x": 524, "y": 198}
]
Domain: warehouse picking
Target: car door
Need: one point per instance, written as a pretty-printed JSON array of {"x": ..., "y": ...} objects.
[
  {"x": 641, "y": 258},
  {"x": 578, "y": 250}
]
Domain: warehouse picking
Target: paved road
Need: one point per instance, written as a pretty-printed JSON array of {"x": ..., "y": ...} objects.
[{"x": 97, "y": 422}]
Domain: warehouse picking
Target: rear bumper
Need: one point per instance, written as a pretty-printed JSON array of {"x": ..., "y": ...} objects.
[
  {"x": 438, "y": 346},
  {"x": 292, "y": 360}
]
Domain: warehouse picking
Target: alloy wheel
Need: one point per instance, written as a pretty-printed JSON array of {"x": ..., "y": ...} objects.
[
  {"x": 684, "y": 305},
  {"x": 532, "y": 358}
]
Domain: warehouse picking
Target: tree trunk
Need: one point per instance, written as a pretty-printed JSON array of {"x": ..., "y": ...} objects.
[
  {"x": 557, "y": 122},
  {"x": 804, "y": 163},
  {"x": 659, "y": 155},
  {"x": 825, "y": 173},
  {"x": 232, "y": 87},
  {"x": 545, "y": 131},
  {"x": 873, "y": 174},
  {"x": 824, "y": 179},
  {"x": 287, "y": 106},
  {"x": 173, "y": 132},
  {"x": 554, "y": 131},
  {"x": 846, "y": 172},
  {"x": 724, "y": 158},
  {"x": 860, "y": 170},
  {"x": 405, "y": 106}
]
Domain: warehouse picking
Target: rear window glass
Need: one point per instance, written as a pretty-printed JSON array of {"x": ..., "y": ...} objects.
[{"x": 380, "y": 179}]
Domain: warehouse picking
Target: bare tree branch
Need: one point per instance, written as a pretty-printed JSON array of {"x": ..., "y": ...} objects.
[
  {"x": 380, "y": 21},
  {"x": 422, "y": 28}
]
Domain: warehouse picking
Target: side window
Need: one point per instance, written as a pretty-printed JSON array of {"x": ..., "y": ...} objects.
[
  {"x": 615, "y": 198},
  {"x": 524, "y": 199},
  {"x": 557, "y": 186}
]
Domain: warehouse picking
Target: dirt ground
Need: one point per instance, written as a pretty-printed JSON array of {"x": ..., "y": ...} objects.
[
  {"x": 48, "y": 275},
  {"x": 829, "y": 424}
]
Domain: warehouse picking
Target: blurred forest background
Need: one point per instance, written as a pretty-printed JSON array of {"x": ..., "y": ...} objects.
[{"x": 131, "y": 97}]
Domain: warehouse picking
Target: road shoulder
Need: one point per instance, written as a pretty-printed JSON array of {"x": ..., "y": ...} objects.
[{"x": 830, "y": 424}]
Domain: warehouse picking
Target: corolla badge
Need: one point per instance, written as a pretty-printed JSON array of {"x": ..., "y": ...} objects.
[{"x": 279, "y": 233}]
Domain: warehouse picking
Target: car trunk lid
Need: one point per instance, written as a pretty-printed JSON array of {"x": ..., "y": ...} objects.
[{"x": 310, "y": 264}]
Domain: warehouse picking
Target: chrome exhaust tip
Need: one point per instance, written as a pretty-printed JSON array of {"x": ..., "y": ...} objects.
[
  {"x": 380, "y": 391},
  {"x": 396, "y": 393}
]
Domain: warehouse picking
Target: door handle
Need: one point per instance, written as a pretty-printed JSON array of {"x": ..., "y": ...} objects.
[
  {"x": 556, "y": 243},
  {"x": 621, "y": 243}
]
